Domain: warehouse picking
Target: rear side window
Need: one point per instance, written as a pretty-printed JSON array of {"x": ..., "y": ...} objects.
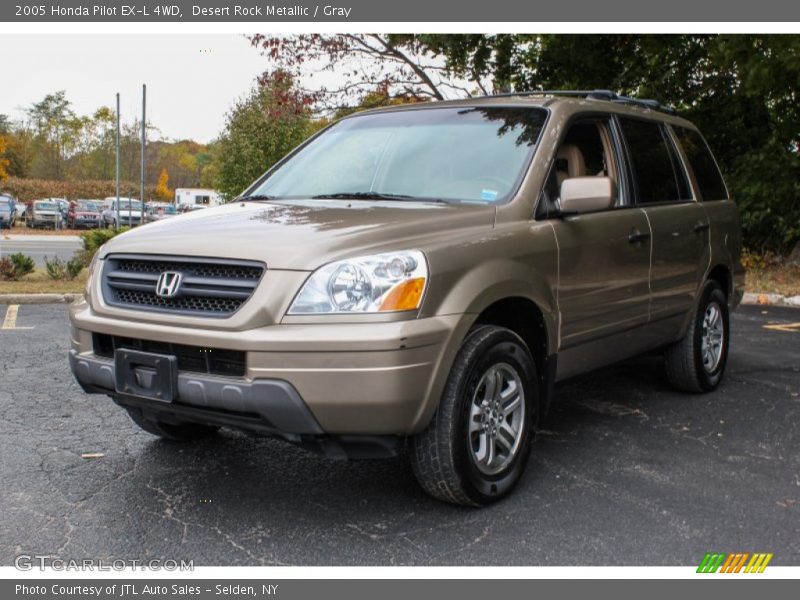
[
  {"x": 657, "y": 173},
  {"x": 706, "y": 172}
]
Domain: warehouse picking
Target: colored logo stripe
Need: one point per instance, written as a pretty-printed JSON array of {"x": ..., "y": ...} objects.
[
  {"x": 758, "y": 563},
  {"x": 734, "y": 562}
]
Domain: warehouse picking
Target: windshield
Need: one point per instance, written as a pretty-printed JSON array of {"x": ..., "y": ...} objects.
[
  {"x": 5, "y": 206},
  {"x": 88, "y": 206},
  {"x": 45, "y": 206},
  {"x": 452, "y": 154},
  {"x": 130, "y": 204}
]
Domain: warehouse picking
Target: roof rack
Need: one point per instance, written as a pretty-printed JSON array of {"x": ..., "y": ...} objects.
[{"x": 607, "y": 95}]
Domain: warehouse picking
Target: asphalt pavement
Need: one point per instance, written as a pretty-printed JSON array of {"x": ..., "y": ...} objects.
[
  {"x": 40, "y": 246},
  {"x": 626, "y": 472}
]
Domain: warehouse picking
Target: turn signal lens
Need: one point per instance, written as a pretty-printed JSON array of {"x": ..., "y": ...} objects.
[{"x": 406, "y": 295}]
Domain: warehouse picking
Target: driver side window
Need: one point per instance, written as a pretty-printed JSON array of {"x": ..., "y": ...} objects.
[{"x": 586, "y": 151}]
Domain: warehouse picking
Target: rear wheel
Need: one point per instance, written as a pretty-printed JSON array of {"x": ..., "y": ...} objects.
[
  {"x": 475, "y": 449},
  {"x": 185, "y": 432},
  {"x": 697, "y": 362}
]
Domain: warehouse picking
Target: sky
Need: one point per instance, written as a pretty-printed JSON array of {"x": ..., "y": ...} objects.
[{"x": 192, "y": 79}]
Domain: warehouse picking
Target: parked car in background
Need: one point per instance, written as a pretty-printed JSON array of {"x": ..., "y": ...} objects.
[
  {"x": 84, "y": 214},
  {"x": 157, "y": 211},
  {"x": 22, "y": 208},
  {"x": 44, "y": 213},
  {"x": 8, "y": 211},
  {"x": 130, "y": 212}
]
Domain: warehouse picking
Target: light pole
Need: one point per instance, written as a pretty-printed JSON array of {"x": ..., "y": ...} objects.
[
  {"x": 118, "y": 221},
  {"x": 144, "y": 141}
]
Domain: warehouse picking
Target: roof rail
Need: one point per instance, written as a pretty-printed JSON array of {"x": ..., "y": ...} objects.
[{"x": 607, "y": 95}]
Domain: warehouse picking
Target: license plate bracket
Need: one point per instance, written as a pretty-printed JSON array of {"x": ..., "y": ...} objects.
[{"x": 146, "y": 375}]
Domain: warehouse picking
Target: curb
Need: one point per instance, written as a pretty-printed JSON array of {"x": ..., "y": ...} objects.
[
  {"x": 771, "y": 300},
  {"x": 38, "y": 298}
]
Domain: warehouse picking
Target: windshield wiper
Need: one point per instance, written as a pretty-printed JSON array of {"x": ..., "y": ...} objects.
[
  {"x": 256, "y": 197},
  {"x": 372, "y": 196}
]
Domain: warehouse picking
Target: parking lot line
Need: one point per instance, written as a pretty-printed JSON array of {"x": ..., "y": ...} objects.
[
  {"x": 10, "y": 321},
  {"x": 790, "y": 327}
]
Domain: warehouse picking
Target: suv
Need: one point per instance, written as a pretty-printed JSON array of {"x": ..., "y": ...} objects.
[
  {"x": 48, "y": 212},
  {"x": 8, "y": 211},
  {"x": 83, "y": 213},
  {"x": 128, "y": 214},
  {"x": 424, "y": 273}
]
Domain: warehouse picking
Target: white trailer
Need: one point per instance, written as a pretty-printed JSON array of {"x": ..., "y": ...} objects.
[{"x": 191, "y": 197}]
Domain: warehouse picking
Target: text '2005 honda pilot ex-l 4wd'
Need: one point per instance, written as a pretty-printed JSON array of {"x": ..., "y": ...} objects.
[{"x": 424, "y": 273}]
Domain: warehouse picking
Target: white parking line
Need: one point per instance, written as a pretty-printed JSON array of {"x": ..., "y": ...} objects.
[{"x": 10, "y": 322}]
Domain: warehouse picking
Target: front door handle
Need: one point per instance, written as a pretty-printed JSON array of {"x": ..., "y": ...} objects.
[
  {"x": 636, "y": 236},
  {"x": 701, "y": 227}
]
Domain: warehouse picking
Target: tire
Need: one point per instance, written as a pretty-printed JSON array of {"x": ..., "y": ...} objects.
[
  {"x": 444, "y": 457},
  {"x": 689, "y": 368},
  {"x": 185, "y": 432}
]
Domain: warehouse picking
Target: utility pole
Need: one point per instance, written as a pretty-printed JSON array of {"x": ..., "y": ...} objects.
[
  {"x": 144, "y": 141},
  {"x": 117, "y": 205}
]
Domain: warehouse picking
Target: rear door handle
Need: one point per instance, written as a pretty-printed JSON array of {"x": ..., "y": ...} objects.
[
  {"x": 636, "y": 236},
  {"x": 701, "y": 227}
]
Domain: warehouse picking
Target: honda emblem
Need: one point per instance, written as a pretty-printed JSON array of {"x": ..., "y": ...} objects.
[{"x": 169, "y": 284}]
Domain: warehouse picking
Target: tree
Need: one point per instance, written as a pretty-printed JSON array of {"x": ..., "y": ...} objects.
[
  {"x": 56, "y": 128},
  {"x": 741, "y": 90},
  {"x": 4, "y": 162},
  {"x": 402, "y": 65},
  {"x": 259, "y": 131},
  {"x": 162, "y": 187}
]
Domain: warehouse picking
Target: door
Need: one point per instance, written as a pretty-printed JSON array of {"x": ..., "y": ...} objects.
[
  {"x": 678, "y": 223},
  {"x": 604, "y": 262},
  {"x": 604, "y": 257}
]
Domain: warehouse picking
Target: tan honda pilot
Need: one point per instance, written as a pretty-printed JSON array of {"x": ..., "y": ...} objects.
[{"x": 424, "y": 275}]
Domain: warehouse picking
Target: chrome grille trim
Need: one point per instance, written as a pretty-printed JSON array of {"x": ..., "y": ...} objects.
[{"x": 211, "y": 287}]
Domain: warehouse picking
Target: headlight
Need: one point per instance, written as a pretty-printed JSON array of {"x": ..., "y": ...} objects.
[{"x": 380, "y": 283}]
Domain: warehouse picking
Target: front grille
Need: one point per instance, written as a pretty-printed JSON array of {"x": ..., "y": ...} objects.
[
  {"x": 193, "y": 359},
  {"x": 210, "y": 287}
]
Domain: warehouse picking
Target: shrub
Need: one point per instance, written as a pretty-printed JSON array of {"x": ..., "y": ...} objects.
[
  {"x": 15, "y": 266},
  {"x": 92, "y": 240},
  {"x": 23, "y": 264},
  {"x": 56, "y": 268},
  {"x": 6, "y": 269},
  {"x": 74, "y": 267}
]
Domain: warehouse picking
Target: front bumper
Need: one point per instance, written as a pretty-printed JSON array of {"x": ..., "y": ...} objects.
[
  {"x": 88, "y": 223},
  {"x": 353, "y": 378},
  {"x": 273, "y": 406}
]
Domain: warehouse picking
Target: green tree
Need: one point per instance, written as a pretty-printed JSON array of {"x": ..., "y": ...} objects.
[
  {"x": 56, "y": 129},
  {"x": 741, "y": 91},
  {"x": 259, "y": 131}
]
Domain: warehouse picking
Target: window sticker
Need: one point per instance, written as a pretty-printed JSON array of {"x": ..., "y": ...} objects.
[{"x": 489, "y": 195}]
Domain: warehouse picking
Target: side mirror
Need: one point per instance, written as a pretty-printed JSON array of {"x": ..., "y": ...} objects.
[{"x": 586, "y": 194}]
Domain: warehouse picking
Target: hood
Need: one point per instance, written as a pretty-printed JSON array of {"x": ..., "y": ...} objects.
[{"x": 301, "y": 234}]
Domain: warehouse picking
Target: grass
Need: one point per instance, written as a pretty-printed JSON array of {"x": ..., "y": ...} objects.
[
  {"x": 778, "y": 278},
  {"x": 39, "y": 283}
]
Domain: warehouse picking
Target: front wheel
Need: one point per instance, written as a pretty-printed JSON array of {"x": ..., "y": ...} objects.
[
  {"x": 475, "y": 449},
  {"x": 697, "y": 362}
]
